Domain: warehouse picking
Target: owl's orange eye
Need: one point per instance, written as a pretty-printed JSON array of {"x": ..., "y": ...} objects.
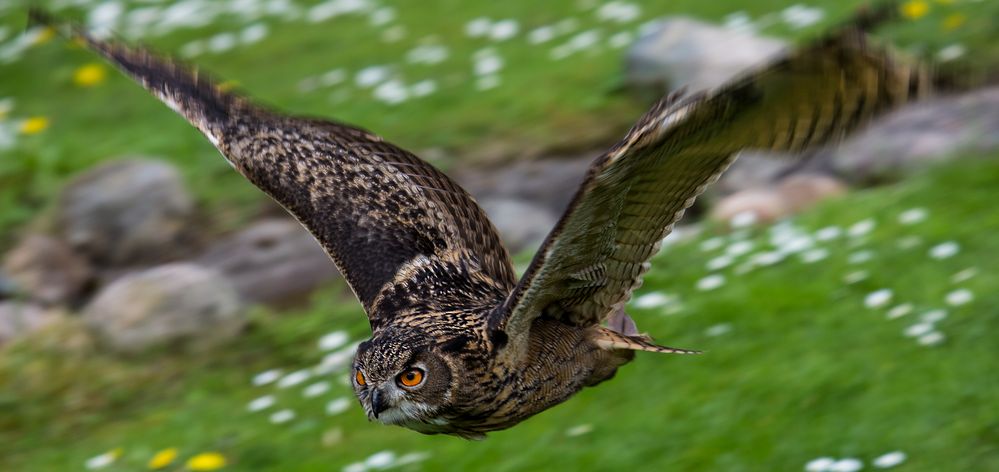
[
  {"x": 411, "y": 378},
  {"x": 359, "y": 378}
]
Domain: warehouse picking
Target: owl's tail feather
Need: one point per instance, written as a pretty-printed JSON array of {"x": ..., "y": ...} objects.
[{"x": 609, "y": 339}]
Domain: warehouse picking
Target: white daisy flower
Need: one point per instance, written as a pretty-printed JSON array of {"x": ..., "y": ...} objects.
[
  {"x": 380, "y": 460},
  {"x": 337, "y": 406},
  {"x": 316, "y": 389},
  {"x": 371, "y": 76},
  {"x": 932, "y": 338},
  {"x": 828, "y": 233},
  {"x": 739, "y": 248},
  {"x": 541, "y": 34},
  {"x": 812, "y": 256},
  {"x": 423, "y": 88},
  {"x": 743, "y": 219},
  {"x": 261, "y": 403},
  {"x": 504, "y": 29},
  {"x": 711, "y": 282},
  {"x": 718, "y": 329},
  {"x": 800, "y": 16},
  {"x": 918, "y": 330},
  {"x": 392, "y": 92},
  {"x": 959, "y": 297},
  {"x": 103, "y": 460},
  {"x": 889, "y": 460},
  {"x": 282, "y": 416},
  {"x": 478, "y": 27},
  {"x": 487, "y": 82},
  {"x": 712, "y": 243},
  {"x": 651, "y": 300},
  {"x": 222, "y": 42},
  {"x": 848, "y": 464},
  {"x": 933, "y": 316},
  {"x": 912, "y": 216},
  {"x": 878, "y": 298},
  {"x": 909, "y": 242},
  {"x": 951, "y": 52},
  {"x": 579, "y": 430},
  {"x": 719, "y": 262},
  {"x": 855, "y": 276},
  {"x": 899, "y": 311},
  {"x": 266, "y": 377},
  {"x": 333, "y": 340},
  {"x": 860, "y": 257},
  {"x": 294, "y": 378},
  {"x": 945, "y": 250},
  {"x": 964, "y": 275},
  {"x": 620, "y": 39},
  {"x": 860, "y": 228},
  {"x": 382, "y": 16},
  {"x": 619, "y": 12}
]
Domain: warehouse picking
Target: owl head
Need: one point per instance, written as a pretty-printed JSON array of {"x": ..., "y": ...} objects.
[{"x": 401, "y": 379}]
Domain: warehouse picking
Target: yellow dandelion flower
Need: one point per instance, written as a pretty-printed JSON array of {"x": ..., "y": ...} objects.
[
  {"x": 163, "y": 458},
  {"x": 89, "y": 75},
  {"x": 44, "y": 35},
  {"x": 953, "y": 21},
  {"x": 206, "y": 461},
  {"x": 34, "y": 125},
  {"x": 915, "y": 9},
  {"x": 228, "y": 85}
]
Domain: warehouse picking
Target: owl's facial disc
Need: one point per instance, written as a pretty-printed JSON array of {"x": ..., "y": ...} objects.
[
  {"x": 393, "y": 394},
  {"x": 399, "y": 384}
]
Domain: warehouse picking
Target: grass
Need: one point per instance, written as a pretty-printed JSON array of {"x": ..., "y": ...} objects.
[
  {"x": 805, "y": 370},
  {"x": 541, "y": 105}
]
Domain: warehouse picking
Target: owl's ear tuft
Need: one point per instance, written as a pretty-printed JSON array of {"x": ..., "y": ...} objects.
[{"x": 498, "y": 338}]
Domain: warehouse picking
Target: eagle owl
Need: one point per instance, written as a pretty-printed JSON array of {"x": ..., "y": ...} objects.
[{"x": 459, "y": 344}]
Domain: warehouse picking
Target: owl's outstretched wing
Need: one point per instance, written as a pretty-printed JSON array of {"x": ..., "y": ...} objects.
[
  {"x": 402, "y": 233},
  {"x": 632, "y": 195}
]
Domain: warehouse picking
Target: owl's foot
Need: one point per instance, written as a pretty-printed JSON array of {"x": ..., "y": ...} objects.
[{"x": 621, "y": 323}]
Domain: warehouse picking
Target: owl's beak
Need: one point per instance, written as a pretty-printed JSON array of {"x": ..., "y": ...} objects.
[{"x": 378, "y": 402}]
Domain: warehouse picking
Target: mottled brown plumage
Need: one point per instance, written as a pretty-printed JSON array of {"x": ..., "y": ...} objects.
[{"x": 446, "y": 312}]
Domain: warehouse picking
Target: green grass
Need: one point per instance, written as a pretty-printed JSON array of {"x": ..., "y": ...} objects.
[
  {"x": 805, "y": 371},
  {"x": 541, "y": 105}
]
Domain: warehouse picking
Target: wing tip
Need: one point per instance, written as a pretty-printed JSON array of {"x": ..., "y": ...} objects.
[{"x": 185, "y": 89}]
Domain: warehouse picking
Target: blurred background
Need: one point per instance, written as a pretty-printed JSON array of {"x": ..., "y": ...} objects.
[{"x": 157, "y": 312}]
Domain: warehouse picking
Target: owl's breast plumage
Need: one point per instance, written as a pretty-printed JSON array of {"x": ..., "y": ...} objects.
[{"x": 560, "y": 360}]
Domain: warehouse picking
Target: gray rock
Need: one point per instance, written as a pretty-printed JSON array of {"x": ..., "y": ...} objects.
[
  {"x": 803, "y": 191},
  {"x": 46, "y": 270},
  {"x": 126, "y": 212},
  {"x": 524, "y": 199},
  {"x": 763, "y": 204},
  {"x": 271, "y": 261},
  {"x": 769, "y": 203},
  {"x": 547, "y": 183},
  {"x": 175, "y": 305},
  {"x": 753, "y": 169},
  {"x": 21, "y": 318},
  {"x": 680, "y": 52},
  {"x": 521, "y": 225},
  {"x": 919, "y": 135}
]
